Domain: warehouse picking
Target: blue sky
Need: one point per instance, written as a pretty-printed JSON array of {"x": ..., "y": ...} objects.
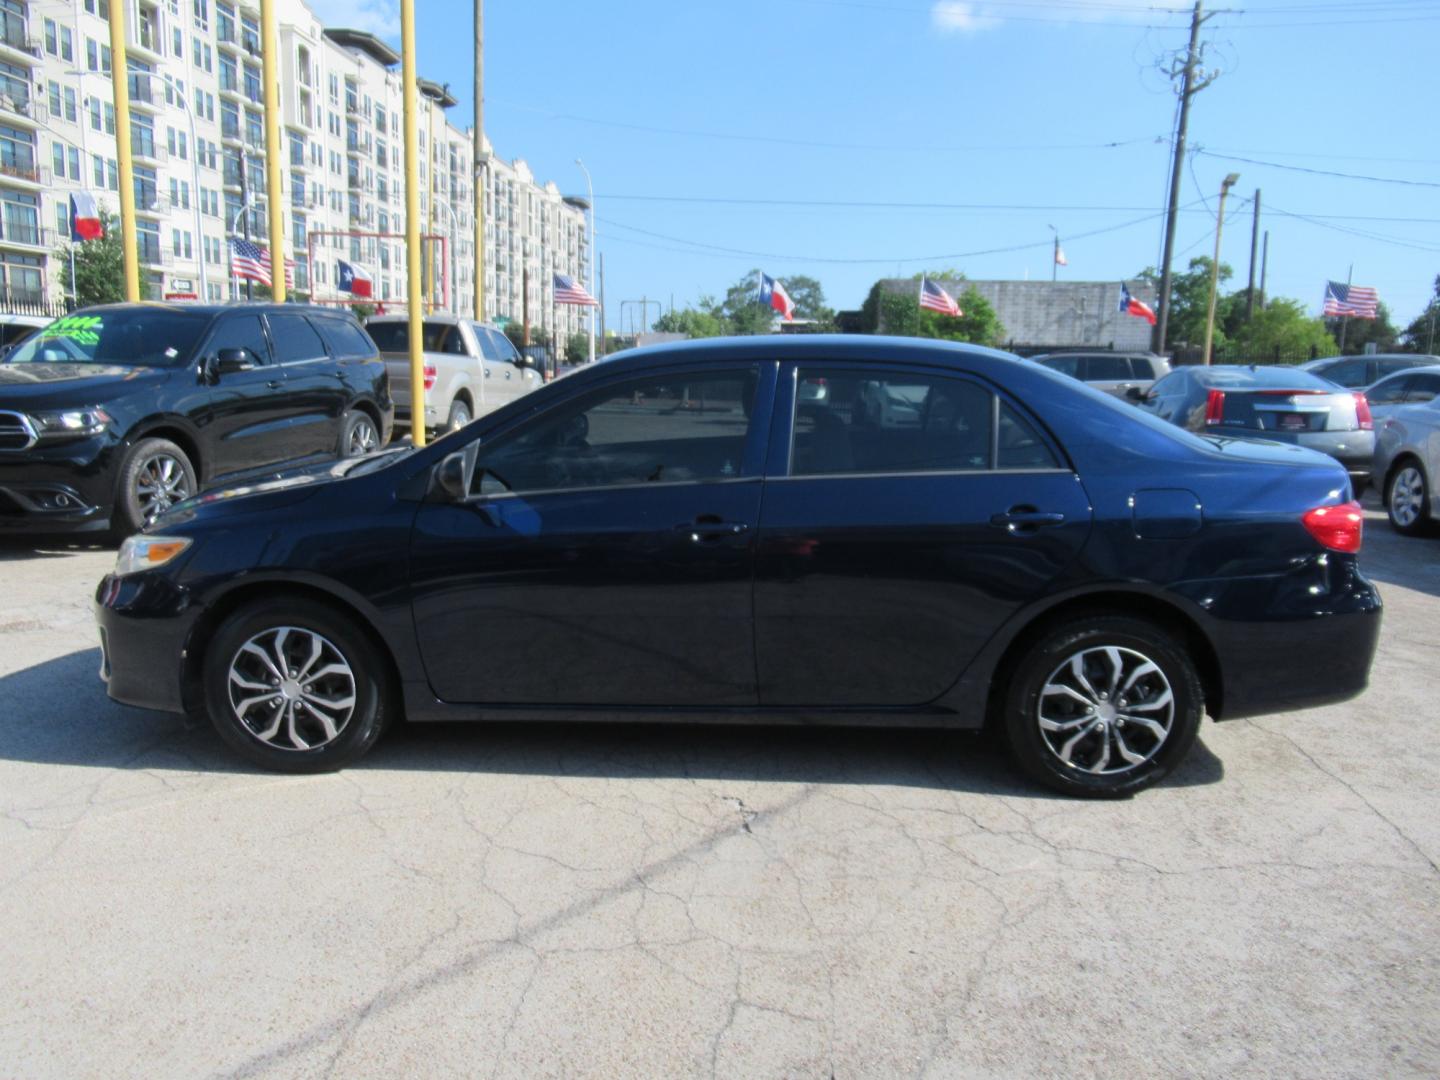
[{"x": 1017, "y": 115}]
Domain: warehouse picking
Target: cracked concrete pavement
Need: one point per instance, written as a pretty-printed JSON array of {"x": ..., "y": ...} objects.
[{"x": 627, "y": 901}]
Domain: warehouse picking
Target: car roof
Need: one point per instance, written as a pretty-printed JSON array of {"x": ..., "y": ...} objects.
[
  {"x": 1137, "y": 353},
  {"x": 213, "y": 310},
  {"x": 448, "y": 318},
  {"x": 867, "y": 347}
]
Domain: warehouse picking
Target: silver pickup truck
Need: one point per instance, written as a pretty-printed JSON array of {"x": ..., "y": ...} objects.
[{"x": 470, "y": 368}]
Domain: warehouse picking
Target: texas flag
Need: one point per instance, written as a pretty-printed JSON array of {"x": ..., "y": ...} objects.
[
  {"x": 1130, "y": 306},
  {"x": 84, "y": 217},
  {"x": 355, "y": 279},
  {"x": 774, "y": 294}
]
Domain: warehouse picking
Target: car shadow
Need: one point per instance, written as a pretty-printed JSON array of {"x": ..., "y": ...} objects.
[
  {"x": 1411, "y": 562},
  {"x": 57, "y": 713},
  {"x": 34, "y": 546}
]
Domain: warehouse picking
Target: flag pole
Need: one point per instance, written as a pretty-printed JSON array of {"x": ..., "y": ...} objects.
[{"x": 1345, "y": 318}]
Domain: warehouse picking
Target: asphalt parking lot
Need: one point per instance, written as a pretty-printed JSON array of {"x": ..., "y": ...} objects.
[{"x": 586, "y": 901}]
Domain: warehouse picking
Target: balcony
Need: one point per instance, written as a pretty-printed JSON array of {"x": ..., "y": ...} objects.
[
  {"x": 144, "y": 147},
  {"x": 142, "y": 93},
  {"x": 16, "y": 104},
  {"x": 19, "y": 171},
  {"x": 146, "y": 46},
  {"x": 147, "y": 247},
  {"x": 15, "y": 44},
  {"x": 22, "y": 234}
]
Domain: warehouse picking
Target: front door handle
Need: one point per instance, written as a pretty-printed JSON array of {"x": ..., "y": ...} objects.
[
  {"x": 1025, "y": 519},
  {"x": 708, "y": 527},
  {"x": 275, "y": 384}
]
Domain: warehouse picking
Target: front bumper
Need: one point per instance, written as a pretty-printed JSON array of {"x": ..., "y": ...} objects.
[
  {"x": 65, "y": 487},
  {"x": 144, "y": 621}
]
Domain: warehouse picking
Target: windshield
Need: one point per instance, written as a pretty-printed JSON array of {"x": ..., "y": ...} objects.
[{"x": 148, "y": 337}]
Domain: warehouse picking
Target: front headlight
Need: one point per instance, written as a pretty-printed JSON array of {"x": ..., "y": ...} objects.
[
  {"x": 70, "y": 423},
  {"x": 148, "y": 553}
]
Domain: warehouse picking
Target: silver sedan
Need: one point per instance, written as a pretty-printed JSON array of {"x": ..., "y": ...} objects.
[{"x": 1407, "y": 447}]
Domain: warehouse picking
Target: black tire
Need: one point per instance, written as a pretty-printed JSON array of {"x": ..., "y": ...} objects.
[
  {"x": 359, "y": 434},
  {"x": 260, "y": 624},
  {"x": 1407, "y": 498},
  {"x": 154, "y": 474},
  {"x": 1096, "y": 736},
  {"x": 460, "y": 415}
]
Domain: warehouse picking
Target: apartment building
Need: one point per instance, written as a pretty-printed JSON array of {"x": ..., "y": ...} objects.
[{"x": 198, "y": 140}]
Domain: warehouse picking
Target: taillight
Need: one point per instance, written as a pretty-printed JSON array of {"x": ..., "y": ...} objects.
[
  {"x": 429, "y": 376},
  {"x": 1362, "y": 412},
  {"x": 1339, "y": 528},
  {"x": 1215, "y": 407}
]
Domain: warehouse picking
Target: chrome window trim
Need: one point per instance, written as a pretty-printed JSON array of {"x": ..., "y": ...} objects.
[
  {"x": 917, "y": 474},
  {"x": 25, "y": 424},
  {"x": 611, "y": 487}
]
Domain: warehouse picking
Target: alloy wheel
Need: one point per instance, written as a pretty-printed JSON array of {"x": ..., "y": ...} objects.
[
  {"x": 291, "y": 688},
  {"x": 160, "y": 483},
  {"x": 1106, "y": 710},
  {"x": 363, "y": 438},
  {"x": 1407, "y": 493}
]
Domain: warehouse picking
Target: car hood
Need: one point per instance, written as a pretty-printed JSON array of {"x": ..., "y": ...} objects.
[{"x": 79, "y": 384}]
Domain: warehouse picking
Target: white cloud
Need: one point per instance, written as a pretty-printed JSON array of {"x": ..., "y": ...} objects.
[
  {"x": 380, "y": 17},
  {"x": 971, "y": 16}
]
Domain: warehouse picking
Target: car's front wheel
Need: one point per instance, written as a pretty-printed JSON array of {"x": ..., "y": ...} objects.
[
  {"x": 154, "y": 475},
  {"x": 1103, "y": 706},
  {"x": 294, "y": 686},
  {"x": 1407, "y": 499}
]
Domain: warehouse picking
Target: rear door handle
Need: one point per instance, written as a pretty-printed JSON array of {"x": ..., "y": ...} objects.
[
  {"x": 275, "y": 384},
  {"x": 1025, "y": 519}
]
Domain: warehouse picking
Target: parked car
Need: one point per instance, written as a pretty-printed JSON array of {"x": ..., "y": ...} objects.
[
  {"x": 111, "y": 415},
  {"x": 1033, "y": 554},
  {"x": 1407, "y": 451},
  {"x": 1279, "y": 404},
  {"x": 1357, "y": 372},
  {"x": 1412, "y": 386},
  {"x": 471, "y": 369},
  {"x": 1125, "y": 375},
  {"x": 15, "y": 329}
]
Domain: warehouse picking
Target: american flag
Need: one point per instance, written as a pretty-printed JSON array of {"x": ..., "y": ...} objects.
[
  {"x": 251, "y": 262},
  {"x": 568, "y": 292},
  {"x": 1355, "y": 301},
  {"x": 935, "y": 298}
]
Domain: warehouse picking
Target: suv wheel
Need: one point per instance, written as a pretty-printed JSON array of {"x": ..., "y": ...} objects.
[
  {"x": 358, "y": 435},
  {"x": 155, "y": 474},
  {"x": 459, "y": 415},
  {"x": 1103, "y": 707},
  {"x": 1407, "y": 499},
  {"x": 293, "y": 686}
]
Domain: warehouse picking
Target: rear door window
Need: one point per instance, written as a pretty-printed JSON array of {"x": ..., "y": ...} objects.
[
  {"x": 1142, "y": 367},
  {"x": 1348, "y": 373},
  {"x": 1107, "y": 368},
  {"x": 295, "y": 339},
  {"x": 1420, "y": 389},
  {"x": 1390, "y": 391},
  {"x": 1066, "y": 365}
]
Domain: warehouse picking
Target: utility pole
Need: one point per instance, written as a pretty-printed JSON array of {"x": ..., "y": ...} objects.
[
  {"x": 1055, "y": 256},
  {"x": 1254, "y": 243},
  {"x": 120, "y": 86},
  {"x": 414, "y": 251},
  {"x": 1345, "y": 319},
  {"x": 1190, "y": 84},
  {"x": 1225, "y": 186},
  {"x": 1264, "y": 266},
  {"x": 273, "y": 172},
  {"x": 245, "y": 221},
  {"x": 480, "y": 160}
]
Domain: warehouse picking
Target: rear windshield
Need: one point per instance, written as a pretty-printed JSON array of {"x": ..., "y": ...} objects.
[
  {"x": 1265, "y": 378},
  {"x": 394, "y": 337},
  {"x": 139, "y": 337}
]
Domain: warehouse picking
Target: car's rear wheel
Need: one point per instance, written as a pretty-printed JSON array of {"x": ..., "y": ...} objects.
[
  {"x": 1407, "y": 499},
  {"x": 358, "y": 435},
  {"x": 154, "y": 475},
  {"x": 1103, "y": 707},
  {"x": 293, "y": 686},
  {"x": 459, "y": 415}
]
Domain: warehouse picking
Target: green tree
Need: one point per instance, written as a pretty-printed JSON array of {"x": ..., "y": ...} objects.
[
  {"x": 99, "y": 266},
  {"x": 1423, "y": 334},
  {"x": 1361, "y": 332},
  {"x": 1189, "y": 302},
  {"x": 577, "y": 348},
  {"x": 978, "y": 323},
  {"x": 743, "y": 312},
  {"x": 692, "y": 322},
  {"x": 1283, "y": 327}
]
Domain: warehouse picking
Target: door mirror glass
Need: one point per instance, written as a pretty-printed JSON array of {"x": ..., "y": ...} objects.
[{"x": 230, "y": 361}]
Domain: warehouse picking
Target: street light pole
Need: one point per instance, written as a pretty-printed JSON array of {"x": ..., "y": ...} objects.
[
  {"x": 1225, "y": 187},
  {"x": 120, "y": 87},
  {"x": 590, "y": 195}
]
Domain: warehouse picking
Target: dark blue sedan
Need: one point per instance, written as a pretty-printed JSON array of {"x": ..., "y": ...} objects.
[{"x": 847, "y": 530}]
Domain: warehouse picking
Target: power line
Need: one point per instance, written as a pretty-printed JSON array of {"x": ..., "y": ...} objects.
[
  {"x": 1362, "y": 233},
  {"x": 1320, "y": 172}
]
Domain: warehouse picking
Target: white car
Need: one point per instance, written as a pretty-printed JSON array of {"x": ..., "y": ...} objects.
[{"x": 1406, "y": 407}]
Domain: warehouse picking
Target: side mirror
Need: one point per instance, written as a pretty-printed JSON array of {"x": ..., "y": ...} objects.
[
  {"x": 232, "y": 361},
  {"x": 453, "y": 475},
  {"x": 6, "y": 351},
  {"x": 1135, "y": 394}
]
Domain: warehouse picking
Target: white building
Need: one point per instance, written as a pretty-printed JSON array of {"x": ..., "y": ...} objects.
[{"x": 196, "y": 105}]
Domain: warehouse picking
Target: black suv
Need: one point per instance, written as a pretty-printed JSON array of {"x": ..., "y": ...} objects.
[{"x": 112, "y": 414}]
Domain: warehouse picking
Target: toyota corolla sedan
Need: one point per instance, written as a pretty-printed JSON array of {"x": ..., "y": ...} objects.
[{"x": 683, "y": 534}]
